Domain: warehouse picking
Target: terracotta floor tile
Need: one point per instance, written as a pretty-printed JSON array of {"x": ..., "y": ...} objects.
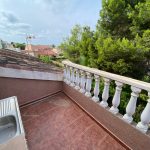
[
  {"x": 95, "y": 138},
  {"x": 59, "y": 124}
]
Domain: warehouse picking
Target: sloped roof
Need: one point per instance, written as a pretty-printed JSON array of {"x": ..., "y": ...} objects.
[
  {"x": 17, "y": 60},
  {"x": 40, "y": 47},
  {"x": 41, "y": 50},
  {"x": 46, "y": 52}
]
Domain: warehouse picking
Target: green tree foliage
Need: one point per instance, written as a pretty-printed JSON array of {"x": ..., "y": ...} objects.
[
  {"x": 121, "y": 56},
  {"x": 19, "y": 45},
  {"x": 85, "y": 41},
  {"x": 71, "y": 45},
  {"x": 88, "y": 51},
  {"x": 145, "y": 42},
  {"x": 93, "y": 52},
  {"x": 133, "y": 3},
  {"x": 114, "y": 20},
  {"x": 140, "y": 17}
]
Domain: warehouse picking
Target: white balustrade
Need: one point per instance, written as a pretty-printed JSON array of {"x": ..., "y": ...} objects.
[
  {"x": 130, "y": 109},
  {"x": 96, "y": 88},
  {"x": 145, "y": 118},
  {"x": 105, "y": 94},
  {"x": 80, "y": 77},
  {"x": 88, "y": 84},
  {"x": 116, "y": 98},
  {"x": 82, "y": 82},
  {"x": 72, "y": 77}
]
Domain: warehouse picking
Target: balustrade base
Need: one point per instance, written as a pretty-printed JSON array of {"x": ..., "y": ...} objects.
[
  {"x": 127, "y": 118},
  {"x": 68, "y": 82},
  {"x": 65, "y": 80},
  {"x": 77, "y": 87},
  {"x": 114, "y": 110},
  {"x": 142, "y": 127},
  {"x": 87, "y": 94},
  {"x": 95, "y": 99},
  {"x": 72, "y": 84},
  {"x": 104, "y": 104},
  {"x": 82, "y": 91}
]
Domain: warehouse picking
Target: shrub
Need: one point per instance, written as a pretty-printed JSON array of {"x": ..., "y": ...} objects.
[{"x": 45, "y": 59}]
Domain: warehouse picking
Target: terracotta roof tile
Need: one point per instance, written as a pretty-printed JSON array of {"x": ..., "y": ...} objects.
[
  {"x": 40, "y": 50},
  {"x": 17, "y": 60},
  {"x": 46, "y": 52}
]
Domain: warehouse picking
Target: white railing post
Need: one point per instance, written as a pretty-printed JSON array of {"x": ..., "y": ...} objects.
[
  {"x": 116, "y": 98},
  {"x": 96, "y": 88},
  {"x": 65, "y": 74},
  {"x": 77, "y": 80},
  {"x": 88, "y": 84},
  {"x": 82, "y": 82},
  {"x": 145, "y": 118},
  {"x": 72, "y": 77},
  {"x": 131, "y": 107},
  {"x": 68, "y": 75},
  {"x": 105, "y": 94}
]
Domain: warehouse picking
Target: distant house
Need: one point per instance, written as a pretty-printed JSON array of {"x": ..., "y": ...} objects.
[
  {"x": 9, "y": 46},
  {"x": 57, "y": 50},
  {"x": 36, "y": 50}
]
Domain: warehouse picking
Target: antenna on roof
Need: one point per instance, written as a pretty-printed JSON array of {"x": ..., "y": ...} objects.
[{"x": 28, "y": 39}]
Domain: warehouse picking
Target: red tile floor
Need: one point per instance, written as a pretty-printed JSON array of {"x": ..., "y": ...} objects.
[{"x": 57, "y": 123}]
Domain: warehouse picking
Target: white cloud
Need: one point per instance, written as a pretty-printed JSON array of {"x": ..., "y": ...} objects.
[
  {"x": 22, "y": 26},
  {"x": 9, "y": 17},
  {"x": 56, "y": 6},
  {"x": 11, "y": 24}
]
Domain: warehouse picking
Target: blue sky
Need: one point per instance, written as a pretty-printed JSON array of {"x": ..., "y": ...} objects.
[{"x": 50, "y": 21}]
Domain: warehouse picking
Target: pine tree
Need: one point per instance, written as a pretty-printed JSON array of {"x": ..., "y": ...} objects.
[{"x": 70, "y": 46}]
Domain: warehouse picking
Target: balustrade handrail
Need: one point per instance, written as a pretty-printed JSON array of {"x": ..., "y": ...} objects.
[{"x": 126, "y": 80}]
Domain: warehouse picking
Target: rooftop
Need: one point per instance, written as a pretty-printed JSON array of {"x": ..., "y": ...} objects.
[
  {"x": 17, "y": 60},
  {"x": 40, "y": 47},
  {"x": 36, "y": 50}
]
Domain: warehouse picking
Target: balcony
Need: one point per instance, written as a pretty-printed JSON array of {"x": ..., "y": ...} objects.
[{"x": 63, "y": 111}]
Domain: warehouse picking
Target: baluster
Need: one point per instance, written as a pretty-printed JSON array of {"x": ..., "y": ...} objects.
[
  {"x": 130, "y": 109},
  {"x": 116, "y": 98},
  {"x": 72, "y": 77},
  {"x": 88, "y": 84},
  {"x": 82, "y": 82},
  {"x": 77, "y": 80},
  {"x": 65, "y": 73},
  {"x": 68, "y": 75},
  {"x": 145, "y": 118},
  {"x": 105, "y": 94},
  {"x": 96, "y": 89}
]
